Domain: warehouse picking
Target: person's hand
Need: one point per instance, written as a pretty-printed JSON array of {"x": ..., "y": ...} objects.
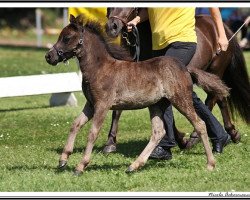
[
  {"x": 222, "y": 44},
  {"x": 132, "y": 23}
]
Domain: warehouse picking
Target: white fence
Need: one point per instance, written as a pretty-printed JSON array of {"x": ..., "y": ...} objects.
[
  {"x": 63, "y": 83},
  {"x": 39, "y": 84}
]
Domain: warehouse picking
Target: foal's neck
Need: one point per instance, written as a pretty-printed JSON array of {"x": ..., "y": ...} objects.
[{"x": 93, "y": 53}]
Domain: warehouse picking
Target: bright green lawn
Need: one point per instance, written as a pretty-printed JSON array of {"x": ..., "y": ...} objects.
[{"x": 32, "y": 136}]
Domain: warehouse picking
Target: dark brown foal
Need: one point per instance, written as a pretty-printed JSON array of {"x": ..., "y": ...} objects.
[{"x": 109, "y": 83}]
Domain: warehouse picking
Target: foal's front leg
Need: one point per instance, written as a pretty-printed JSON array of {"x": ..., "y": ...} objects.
[
  {"x": 98, "y": 118},
  {"x": 158, "y": 131},
  {"x": 82, "y": 119}
]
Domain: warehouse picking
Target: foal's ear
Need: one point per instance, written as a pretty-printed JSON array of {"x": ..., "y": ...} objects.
[
  {"x": 79, "y": 19},
  {"x": 72, "y": 19},
  {"x": 108, "y": 12}
]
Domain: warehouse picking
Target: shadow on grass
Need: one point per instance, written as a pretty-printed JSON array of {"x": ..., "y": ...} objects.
[
  {"x": 21, "y": 109},
  {"x": 128, "y": 149},
  {"x": 68, "y": 168},
  {"x": 29, "y": 168}
]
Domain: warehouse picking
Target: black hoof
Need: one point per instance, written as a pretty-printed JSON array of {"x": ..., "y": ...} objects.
[
  {"x": 77, "y": 173},
  {"x": 109, "y": 149},
  {"x": 130, "y": 170},
  {"x": 62, "y": 164}
]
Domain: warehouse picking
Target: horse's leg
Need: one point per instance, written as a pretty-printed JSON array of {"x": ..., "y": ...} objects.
[
  {"x": 229, "y": 127},
  {"x": 111, "y": 143},
  {"x": 187, "y": 109},
  {"x": 210, "y": 102},
  {"x": 82, "y": 119},
  {"x": 158, "y": 132},
  {"x": 194, "y": 137},
  {"x": 98, "y": 118}
]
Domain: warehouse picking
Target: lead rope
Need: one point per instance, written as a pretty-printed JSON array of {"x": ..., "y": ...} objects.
[
  {"x": 137, "y": 43},
  {"x": 246, "y": 20},
  {"x": 135, "y": 33}
]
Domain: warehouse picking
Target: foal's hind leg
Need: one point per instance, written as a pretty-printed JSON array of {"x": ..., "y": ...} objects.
[
  {"x": 158, "y": 131},
  {"x": 111, "y": 143},
  {"x": 184, "y": 104},
  {"x": 194, "y": 137},
  {"x": 210, "y": 102},
  {"x": 82, "y": 119}
]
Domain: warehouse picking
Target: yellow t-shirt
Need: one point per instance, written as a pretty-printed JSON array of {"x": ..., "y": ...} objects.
[
  {"x": 170, "y": 25},
  {"x": 96, "y": 14}
]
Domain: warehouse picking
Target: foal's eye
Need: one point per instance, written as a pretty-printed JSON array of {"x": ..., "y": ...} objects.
[{"x": 66, "y": 39}]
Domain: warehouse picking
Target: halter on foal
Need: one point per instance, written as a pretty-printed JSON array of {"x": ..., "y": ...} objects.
[{"x": 109, "y": 83}]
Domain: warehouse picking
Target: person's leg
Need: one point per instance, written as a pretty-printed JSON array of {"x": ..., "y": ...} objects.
[{"x": 184, "y": 52}]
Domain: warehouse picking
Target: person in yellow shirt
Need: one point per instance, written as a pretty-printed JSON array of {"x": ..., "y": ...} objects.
[
  {"x": 95, "y": 13},
  {"x": 173, "y": 34}
]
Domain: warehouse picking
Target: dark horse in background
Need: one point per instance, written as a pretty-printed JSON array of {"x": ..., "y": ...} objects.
[
  {"x": 230, "y": 66},
  {"x": 111, "y": 83}
]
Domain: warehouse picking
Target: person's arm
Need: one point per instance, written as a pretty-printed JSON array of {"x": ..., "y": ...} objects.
[
  {"x": 141, "y": 17},
  {"x": 222, "y": 40}
]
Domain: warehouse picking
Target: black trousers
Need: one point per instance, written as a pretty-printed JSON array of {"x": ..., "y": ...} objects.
[{"x": 185, "y": 51}]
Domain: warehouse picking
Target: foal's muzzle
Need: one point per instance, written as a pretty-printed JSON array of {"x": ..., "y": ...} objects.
[{"x": 51, "y": 57}]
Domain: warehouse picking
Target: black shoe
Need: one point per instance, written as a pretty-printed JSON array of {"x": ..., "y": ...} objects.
[
  {"x": 218, "y": 145},
  {"x": 162, "y": 153}
]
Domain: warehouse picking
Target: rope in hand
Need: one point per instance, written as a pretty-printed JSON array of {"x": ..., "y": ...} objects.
[{"x": 136, "y": 44}]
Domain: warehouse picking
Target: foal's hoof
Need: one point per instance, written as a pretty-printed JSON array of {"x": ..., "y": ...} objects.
[
  {"x": 62, "y": 164},
  {"x": 130, "y": 170},
  {"x": 77, "y": 173},
  {"x": 210, "y": 167},
  {"x": 109, "y": 149},
  {"x": 193, "y": 140}
]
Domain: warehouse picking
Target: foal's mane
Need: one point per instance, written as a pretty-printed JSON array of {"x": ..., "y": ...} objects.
[{"x": 115, "y": 50}]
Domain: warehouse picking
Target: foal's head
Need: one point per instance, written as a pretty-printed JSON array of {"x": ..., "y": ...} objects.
[
  {"x": 69, "y": 42},
  {"x": 118, "y": 18}
]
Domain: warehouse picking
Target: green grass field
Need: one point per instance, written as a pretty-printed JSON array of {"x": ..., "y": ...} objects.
[{"x": 32, "y": 136}]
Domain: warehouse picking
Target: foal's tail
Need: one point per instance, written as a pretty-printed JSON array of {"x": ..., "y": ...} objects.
[
  {"x": 210, "y": 83},
  {"x": 236, "y": 77}
]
